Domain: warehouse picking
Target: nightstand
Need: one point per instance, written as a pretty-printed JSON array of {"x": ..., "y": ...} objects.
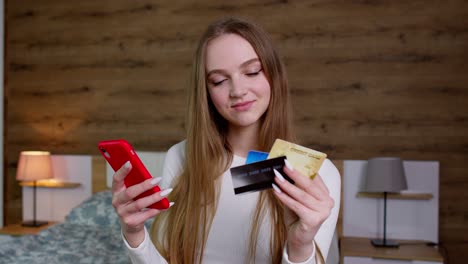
[
  {"x": 358, "y": 250},
  {"x": 19, "y": 230}
]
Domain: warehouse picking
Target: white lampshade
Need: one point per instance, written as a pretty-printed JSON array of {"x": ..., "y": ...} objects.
[{"x": 34, "y": 165}]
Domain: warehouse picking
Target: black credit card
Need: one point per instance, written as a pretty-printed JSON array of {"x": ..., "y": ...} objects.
[{"x": 257, "y": 176}]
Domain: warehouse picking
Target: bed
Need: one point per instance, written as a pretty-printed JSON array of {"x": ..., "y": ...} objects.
[
  {"x": 89, "y": 234},
  {"x": 91, "y": 231}
]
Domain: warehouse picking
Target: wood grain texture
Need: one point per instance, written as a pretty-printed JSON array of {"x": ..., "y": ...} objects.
[
  {"x": 413, "y": 251},
  {"x": 368, "y": 78},
  {"x": 406, "y": 196},
  {"x": 339, "y": 224},
  {"x": 99, "y": 179}
]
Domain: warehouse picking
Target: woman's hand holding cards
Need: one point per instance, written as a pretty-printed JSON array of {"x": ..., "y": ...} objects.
[
  {"x": 133, "y": 214},
  {"x": 308, "y": 205}
]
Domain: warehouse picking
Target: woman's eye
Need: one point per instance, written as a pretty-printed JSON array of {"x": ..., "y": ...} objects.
[
  {"x": 218, "y": 82},
  {"x": 254, "y": 73}
]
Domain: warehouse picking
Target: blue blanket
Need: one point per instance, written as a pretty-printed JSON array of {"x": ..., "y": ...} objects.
[
  {"x": 66, "y": 243},
  {"x": 90, "y": 234}
]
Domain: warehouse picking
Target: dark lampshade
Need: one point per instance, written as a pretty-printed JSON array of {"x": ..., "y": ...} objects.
[{"x": 385, "y": 174}]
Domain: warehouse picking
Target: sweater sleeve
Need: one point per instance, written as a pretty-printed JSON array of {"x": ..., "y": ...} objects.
[
  {"x": 145, "y": 252},
  {"x": 331, "y": 178},
  {"x": 324, "y": 236},
  {"x": 310, "y": 260}
]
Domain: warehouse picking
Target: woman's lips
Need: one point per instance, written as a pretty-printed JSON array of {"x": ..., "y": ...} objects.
[{"x": 244, "y": 106}]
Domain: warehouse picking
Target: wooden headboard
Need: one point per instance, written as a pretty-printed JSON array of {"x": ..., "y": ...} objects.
[
  {"x": 339, "y": 224},
  {"x": 99, "y": 174}
]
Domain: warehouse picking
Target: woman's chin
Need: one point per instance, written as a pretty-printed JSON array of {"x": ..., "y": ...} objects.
[{"x": 243, "y": 123}]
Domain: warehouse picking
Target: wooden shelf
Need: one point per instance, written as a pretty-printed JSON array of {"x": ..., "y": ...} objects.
[
  {"x": 51, "y": 184},
  {"x": 402, "y": 196},
  {"x": 19, "y": 230},
  {"x": 408, "y": 250}
]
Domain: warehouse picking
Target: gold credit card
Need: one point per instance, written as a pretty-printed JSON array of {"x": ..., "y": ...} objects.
[{"x": 305, "y": 160}]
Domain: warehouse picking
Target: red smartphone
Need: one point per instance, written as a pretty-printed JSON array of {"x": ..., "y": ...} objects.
[{"x": 119, "y": 151}]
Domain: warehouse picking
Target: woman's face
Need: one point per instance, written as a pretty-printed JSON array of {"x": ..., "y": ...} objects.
[{"x": 237, "y": 84}]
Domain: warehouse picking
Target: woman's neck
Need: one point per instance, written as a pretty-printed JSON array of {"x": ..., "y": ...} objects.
[{"x": 243, "y": 139}]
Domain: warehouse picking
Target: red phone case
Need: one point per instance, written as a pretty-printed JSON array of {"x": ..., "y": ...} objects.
[{"x": 119, "y": 151}]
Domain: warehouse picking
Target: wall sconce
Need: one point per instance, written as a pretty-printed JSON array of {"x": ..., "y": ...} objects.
[
  {"x": 33, "y": 166},
  {"x": 385, "y": 175}
]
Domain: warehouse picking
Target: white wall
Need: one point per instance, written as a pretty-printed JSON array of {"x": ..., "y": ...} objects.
[{"x": 1, "y": 108}]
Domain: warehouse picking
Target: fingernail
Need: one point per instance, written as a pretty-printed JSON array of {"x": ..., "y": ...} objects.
[
  {"x": 165, "y": 192},
  {"x": 171, "y": 204},
  {"x": 127, "y": 165},
  {"x": 278, "y": 190},
  {"x": 278, "y": 175},
  {"x": 155, "y": 181},
  {"x": 290, "y": 167}
]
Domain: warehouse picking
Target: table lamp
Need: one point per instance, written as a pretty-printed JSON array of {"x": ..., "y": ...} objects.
[
  {"x": 385, "y": 175},
  {"x": 33, "y": 166}
]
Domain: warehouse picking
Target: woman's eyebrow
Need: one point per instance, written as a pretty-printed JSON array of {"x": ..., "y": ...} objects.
[{"x": 245, "y": 63}]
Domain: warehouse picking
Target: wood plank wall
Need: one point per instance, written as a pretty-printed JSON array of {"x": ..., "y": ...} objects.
[{"x": 368, "y": 77}]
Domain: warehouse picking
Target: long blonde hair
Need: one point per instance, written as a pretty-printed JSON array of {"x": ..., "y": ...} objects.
[{"x": 180, "y": 234}]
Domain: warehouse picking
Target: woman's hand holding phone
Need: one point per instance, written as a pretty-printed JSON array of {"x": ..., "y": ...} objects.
[
  {"x": 133, "y": 213},
  {"x": 136, "y": 195}
]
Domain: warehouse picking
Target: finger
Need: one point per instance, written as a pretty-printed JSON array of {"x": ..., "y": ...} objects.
[
  {"x": 321, "y": 184},
  {"x": 119, "y": 176},
  {"x": 128, "y": 194},
  {"x": 296, "y": 193},
  {"x": 144, "y": 202},
  {"x": 304, "y": 182},
  {"x": 314, "y": 200},
  {"x": 140, "y": 217},
  {"x": 301, "y": 211}
]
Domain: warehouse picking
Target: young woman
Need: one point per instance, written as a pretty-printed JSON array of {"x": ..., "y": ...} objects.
[{"x": 238, "y": 101}]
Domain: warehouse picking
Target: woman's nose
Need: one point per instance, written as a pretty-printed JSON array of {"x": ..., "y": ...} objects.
[{"x": 238, "y": 88}]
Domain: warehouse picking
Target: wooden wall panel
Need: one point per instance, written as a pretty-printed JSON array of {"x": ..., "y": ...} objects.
[{"x": 368, "y": 78}]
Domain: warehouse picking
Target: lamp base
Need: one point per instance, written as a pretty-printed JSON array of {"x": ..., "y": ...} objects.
[
  {"x": 384, "y": 243},
  {"x": 34, "y": 223}
]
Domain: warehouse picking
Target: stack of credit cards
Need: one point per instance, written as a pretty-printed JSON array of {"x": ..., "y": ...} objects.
[{"x": 257, "y": 174}]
